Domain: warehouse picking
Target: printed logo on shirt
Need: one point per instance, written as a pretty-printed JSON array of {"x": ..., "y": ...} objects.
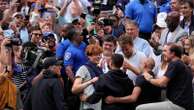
[{"x": 67, "y": 56}]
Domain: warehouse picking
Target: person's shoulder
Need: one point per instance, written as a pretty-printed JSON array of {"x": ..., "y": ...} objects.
[
  {"x": 66, "y": 41},
  {"x": 143, "y": 40},
  {"x": 177, "y": 63},
  {"x": 71, "y": 48},
  {"x": 83, "y": 68},
  {"x": 82, "y": 71},
  {"x": 140, "y": 54},
  {"x": 140, "y": 77},
  {"x": 140, "y": 80},
  {"x": 131, "y": 3},
  {"x": 83, "y": 45}
]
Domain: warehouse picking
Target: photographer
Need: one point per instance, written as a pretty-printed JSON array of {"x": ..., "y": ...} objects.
[
  {"x": 49, "y": 89},
  {"x": 49, "y": 42}
]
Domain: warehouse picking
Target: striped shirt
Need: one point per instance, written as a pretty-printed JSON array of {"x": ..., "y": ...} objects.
[{"x": 19, "y": 74}]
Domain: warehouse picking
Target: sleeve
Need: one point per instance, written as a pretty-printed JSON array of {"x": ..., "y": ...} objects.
[
  {"x": 60, "y": 50},
  {"x": 129, "y": 10},
  {"x": 170, "y": 72},
  {"x": 98, "y": 93},
  {"x": 140, "y": 81},
  {"x": 82, "y": 72},
  {"x": 147, "y": 49},
  {"x": 68, "y": 59},
  {"x": 58, "y": 95}
]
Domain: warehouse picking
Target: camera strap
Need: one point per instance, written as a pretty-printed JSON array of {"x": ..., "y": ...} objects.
[{"x": 37, "y": 60}]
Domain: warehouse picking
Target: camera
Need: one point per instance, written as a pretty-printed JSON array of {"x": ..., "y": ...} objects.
[
  {"x": 33, "y": 55},
  {"x": 14, "y": 41}
]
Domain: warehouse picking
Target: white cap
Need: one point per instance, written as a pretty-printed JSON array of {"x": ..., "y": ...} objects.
[{"x": 161, "y": 17}]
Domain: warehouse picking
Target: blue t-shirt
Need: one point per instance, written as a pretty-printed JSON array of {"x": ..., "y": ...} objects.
[
  {"x": 75, "y": 57},
  {"x": 143, "y": 14},
  {"x": 62, "y": 47}
]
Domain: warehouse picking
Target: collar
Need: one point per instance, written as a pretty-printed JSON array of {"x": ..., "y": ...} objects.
[{"x": 136, "y": 39}]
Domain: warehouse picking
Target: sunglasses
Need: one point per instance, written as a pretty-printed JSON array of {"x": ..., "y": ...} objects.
[{"x": 37, "y": 34}]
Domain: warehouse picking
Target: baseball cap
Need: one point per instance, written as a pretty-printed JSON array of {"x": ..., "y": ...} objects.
[
  {"x": 48, "y": 35},
  {"x": 161, "y": 17}
]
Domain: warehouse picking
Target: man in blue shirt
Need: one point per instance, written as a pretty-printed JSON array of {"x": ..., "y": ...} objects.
[
  {"x": 74, "y": 55},
  {"x": 73, "y": 59},
  {"x": 63, "y": 45},
  {"x": 144, "y": 13}
]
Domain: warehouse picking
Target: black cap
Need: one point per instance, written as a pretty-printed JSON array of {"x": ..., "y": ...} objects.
[{"x": 51, "y": 61}]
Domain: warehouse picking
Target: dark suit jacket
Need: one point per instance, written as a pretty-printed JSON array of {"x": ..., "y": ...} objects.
[{"x": 191, "y": 27}]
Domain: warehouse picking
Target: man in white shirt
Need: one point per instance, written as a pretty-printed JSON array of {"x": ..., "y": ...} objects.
[
  {"x": 133, "y": 58},
  {"x": 109, "y": 45},
  {"x": 174, "y": 32}
]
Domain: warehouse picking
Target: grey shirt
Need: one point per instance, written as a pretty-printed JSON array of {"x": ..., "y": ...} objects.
[{"x": 85, "y": 75}]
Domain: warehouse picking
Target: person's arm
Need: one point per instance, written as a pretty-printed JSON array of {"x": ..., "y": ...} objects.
[
  {"x": 79, "y": 85},
  {"x": 38, "y": 77},
  {"x": 64, "y": 8},
  {"x": 127, "y": 99},
  {"x": 131, "y": 67},
  {"x": 6, "y": 57},
  {"x": 76, "y": 8},
  {"x": 98, "y": 93},
  {"x": 161, "y": 82},
  {"x": 10, "y": 11}
]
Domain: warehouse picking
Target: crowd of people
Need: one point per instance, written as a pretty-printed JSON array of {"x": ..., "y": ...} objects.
[{"x": 96, "y": 54}]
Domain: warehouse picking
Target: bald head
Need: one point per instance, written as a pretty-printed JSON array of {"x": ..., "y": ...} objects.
[
  {"x": 174, "y": 15},
  {"x": 149, "y": 64},
  {"x": 172, "y": 20}
]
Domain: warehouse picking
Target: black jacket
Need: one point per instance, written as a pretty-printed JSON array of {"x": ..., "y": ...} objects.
[
  {"x": 46, "y": 94},
  {"x": 191, "y": 27},
  {"x": 114, "y": 83}
]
